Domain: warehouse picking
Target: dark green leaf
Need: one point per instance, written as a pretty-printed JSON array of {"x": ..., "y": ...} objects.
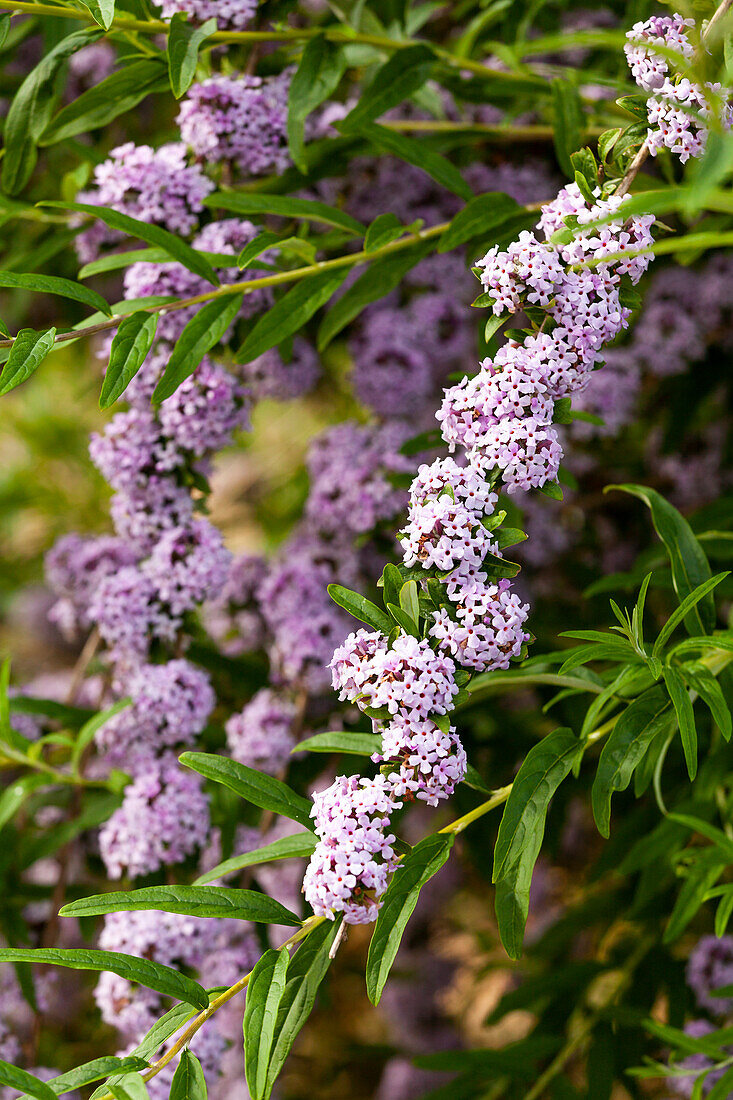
[
  {"x": 31, "y": 110},
  {"x": 383, "y": 230},
  {"x": 132, "y": 342},
  {"x": 154, "y": 235},
  {"x": 569, "y": 122},
  {"x": 360, "y": 607},
  {"x": 399, "y": 901},
  {"x": 690, "y": 567},
  {"x": 628, "y": 741},
  {"x": 264, "y": 993},
  {"x": 155, "y": 976},
  {"x": 522, "y": 829},
  {"x": 264, "y": 240},
  {"x": 15, "y": 794},
  {"x": 188, "y": 1080},
  {"x": 193, "y": 901},
  {"x": 50, "y": 284},
  {"x": 688, "y": 603},
  {"x": 409, "y": 601},
  {"x": 287, "y": 847},
  {"x": 685, "y": 716},
  {"x": 286, "y": 207},
  {"x": 29, "y": 350},
  {"x": 482, "y": 213},
  {"x": 415, "y": 152},
  {"x": 378, "y": 280},
  {"x": 93, "y": 1071},
  {"x": 400, "y": 77},
  {"x": 316, "y": 79},
  {"x": 701, "y": 680},
  {"x": 16, "y": 1078},
  {"x": 261, "y": 790},
  {"x": 200, "y": 335},
  {"x": 4, "y": 28},
  {"x": 358, "y": 744},
  {"x": 290, "y": 313},
  {"x": 701, "y": 876},
  {"x": 113, "y": 96},
  {"x": 184, "y": 42}
]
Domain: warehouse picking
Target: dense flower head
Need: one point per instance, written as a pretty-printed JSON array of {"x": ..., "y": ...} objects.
[
  {"x": 206, "y": 410},
  {"x": 678, "y": 114},
  {"x": 710, "y": 967},
  {"x": 127, "y": 611},
  {"x": 171, "y": 704},
  {"x": 349, "y": 869},
  {"x": 529, "y": 270},
  {"x": 157, "y": 186},
  {"x": 75, "y": 566},
  {"x": 464, "y": 483},
  {"x": 408, "y": 677},
  {"x": 261, "y": 735},
  {"x": 443, "y": 532},
  {"x": 234, "y": 617},
  {"x": 526, "y": 451},
  {"x": 269, "y": 375},
  {"x": 649, "y": 67},
  {"x": 132, "y": 449},
  {"x": 164, "y": 817},
  {"x": 351, "y": 664},
  {"x": 429, "y": 761},
  {"x": 240, "y": 119},
  {"x": 393, "y": 371},
  {"x": 487, "y": 630},
  {"x": 229, "y": 14},
  {"x": 141, "y": 515},
  {"x": 188, "y": 565}
]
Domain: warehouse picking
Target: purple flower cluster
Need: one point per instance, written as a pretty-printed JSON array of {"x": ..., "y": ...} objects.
[
  {"x": 261, "y": 735},
  {"x": 710, "y": 967},
  {"x": 239, "y": 119},
  {"x": 75, "y": 566},
  {"x": 270, "y": 376},
  {"x": 678, "y": 109},
  {"x": 229, "y": 14}
]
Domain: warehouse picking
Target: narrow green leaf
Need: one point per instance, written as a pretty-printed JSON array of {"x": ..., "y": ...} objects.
[
  {"x": 398, "y": 904},
  {"x": 399, "y": 78},
  {"x": 264, "y": 993},
  {"x": 261, "y": 790},
  {"x": 299, "y": 845},
  {"x": 154, "y": 235},
  {"x": 704, "y": 828},
  {"x": 31, "y": 110},
  {"x": 379, "y": 279},
  {"x": 409, "y": 601},
  {"x": 193, "y": 901},
  {"x": 93, "y": 1071},
  {"x": 628, "y": 741},
  {"x": 569, "y": 123},
  {"x": 690, "y": 567},
  {"x": 256, "y": 247},
  {"x": 284, "y": 206},
  {"x": 4, "y": 28},
  {"x": 403, "y": 619},
  {"x": 357, "y": 744},
  {"x": 701, "y": 680},
  {"x": 290, "y": 313},
  {"x": 522, "y": 829},
  {"x": 184, "y": 42},
  {"x": 15, "y": 794},
  {"x": 132, "y": 342},
  {"x": 304, "y": 975},
  {"x": 128, "y": 1087},
  {"x": 50, "y": 284},
  {"x": 16, "y": 1078},
  {"x": 96, "y": 723},
  {"x": 681, "y": 612},
  {"x": 701, "y": 876},
  {"x": 188, "y": 1081},
  {"x": 360, "y": 607},
  {"x": 316, "y": 79},
  {"x": 200, "y": 335},
  {"x": 682, "y": 703},
  {"x": 102, "y": 10},
  {"x": 29, "y": 350},
  {"x": 114, "y": 96},
  {"x": 416, "y": 152},
  {"x": 482, "y": 213},
  {"x": 383, "y": 230},
  {"x": 155, "y": 976}
]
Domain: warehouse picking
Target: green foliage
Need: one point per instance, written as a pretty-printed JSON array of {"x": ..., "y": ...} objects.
[
  {"x": 201, "y": 333},
  {"x": 130, "y": 345},
  {"x": 261, "y": 790},
  {"x": 184, "y": 42},
  {"x": 193, "y": 901},
  {"x": 26, "y": 355}
]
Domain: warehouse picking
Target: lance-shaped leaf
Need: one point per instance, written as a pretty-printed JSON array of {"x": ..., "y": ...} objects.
[
  {"x": 634, "y": 731},
  {"x": 188, "y": 1081},
  {"x": 418, "y": 153},
  {"x": 703, "y": 873},
  {"x": 383, "y": 230},
  {"x": 127, "y": 1087},
  {"x": 360, "y": 607},
  {"x": 50, "y": 284},
  {"x": 29, "y": 350},
  {"x": 193, "y": 901},
  {"x": 264, "y": 993},
  {"x": 700, "y": 679},
  {"x": 115, "y": 95},
  {"x": 286, "y": 207},
  {"x": 290, "y": 313},
  {"x": 200, "y": 335},
  {"x": 155, "y": 976},
  {"x": 184, "y": 42},
  {"x": 690, "y": 601},
  {"x": 523, "y": 827},
  {"x": 154, "y": 235},
  {"x": 358, "y": 744},
  {"x": 400, "y": 77},
  {"x": 569, "y": 120},
  {"x": 682, "y": 703},
  {"x": 102, "y": 10},
  {"x": 261, "y": 790},
  {"x": 299, "y": 845},
  {"x": 690, "y": 567},
  {"x": 481, "y": 214},
  {"x": 304, "y": 975},
  {"x": 16, "y": 1078},
  {"x": 132, "y": 342},
  {"x": 398, "y": 904},
  {"x": 31, "y": 111},
  {"x": 93, "y": 1071},
  {"x": 256, "y": 247},
  {"x": 316, "y": 79}
]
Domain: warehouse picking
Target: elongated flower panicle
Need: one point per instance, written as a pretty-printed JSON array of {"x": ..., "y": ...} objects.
[{"x": 261, "y": 735}]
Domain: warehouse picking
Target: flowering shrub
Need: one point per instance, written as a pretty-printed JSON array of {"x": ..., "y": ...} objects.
[{"x": 295, "y": 224}]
